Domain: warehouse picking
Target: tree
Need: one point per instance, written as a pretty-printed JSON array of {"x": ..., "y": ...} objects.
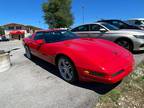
[
  {"x": 1, "y": 30},
  {"x": 57, "y": 13}
]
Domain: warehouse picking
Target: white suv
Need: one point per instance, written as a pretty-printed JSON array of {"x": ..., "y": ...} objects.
[{"x": 136, "y": 22}]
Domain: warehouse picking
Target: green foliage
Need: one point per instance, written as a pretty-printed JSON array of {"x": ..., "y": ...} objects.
[
  {"x": 143, "y": 78},
  {"x": 1, "y": 31},
  {"x": 57, "y": 13},
  {"x": 115, "y": 94}
]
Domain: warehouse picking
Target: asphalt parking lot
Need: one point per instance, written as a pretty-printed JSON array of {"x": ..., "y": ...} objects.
[{"x": 36, "y": 84}]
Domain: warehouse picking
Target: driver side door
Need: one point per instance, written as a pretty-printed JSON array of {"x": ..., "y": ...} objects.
[
  {"x": 49, "y": 49},
  {"x": 36, "y": 43},
  {"x": 95, "y": 31}
]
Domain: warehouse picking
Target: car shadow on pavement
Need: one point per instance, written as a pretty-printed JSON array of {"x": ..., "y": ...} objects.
[{"x": 97, "y": 87}]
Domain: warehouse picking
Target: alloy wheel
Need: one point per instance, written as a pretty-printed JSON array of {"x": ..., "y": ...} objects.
[{"x": 66, "y": 69}]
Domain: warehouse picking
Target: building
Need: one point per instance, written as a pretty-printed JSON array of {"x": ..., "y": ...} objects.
[{"x": 18, "y": 31}]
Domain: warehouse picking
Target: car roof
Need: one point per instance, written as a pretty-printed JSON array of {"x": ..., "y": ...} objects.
[
  {"x": 109, "y": 20},
  {"x": 99, "y": 23},
  {"x": 114, "y": 20},
  {"x": 136, "y": 19}
]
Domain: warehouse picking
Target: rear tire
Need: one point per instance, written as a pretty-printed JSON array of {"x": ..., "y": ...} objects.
[
  {"x": 28, "y": 52},
  {"x": 127, "y": 44},
  {"x": 67, "y": 69}
]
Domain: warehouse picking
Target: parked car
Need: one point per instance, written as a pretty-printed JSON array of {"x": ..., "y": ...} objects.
[
  {"x": 120, "y": 24},
  {"x": 137, "y": 22},
  {"x": 3, "y": 38},
  {"x": 83, "y": 59},
  {"x": 132, "y": 40}
]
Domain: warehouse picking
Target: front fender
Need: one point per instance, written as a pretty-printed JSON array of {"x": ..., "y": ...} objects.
[{"x": 80, "y": 60}]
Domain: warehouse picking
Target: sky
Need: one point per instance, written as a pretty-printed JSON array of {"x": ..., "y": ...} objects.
[{"x": 30, "y": 12}]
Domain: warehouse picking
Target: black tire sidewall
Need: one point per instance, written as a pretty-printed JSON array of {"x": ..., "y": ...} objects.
[
  {"x": 129, "y": 42},
  {"x": 27, "y": 49}
]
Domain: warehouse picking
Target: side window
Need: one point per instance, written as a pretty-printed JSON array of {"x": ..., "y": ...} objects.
[
  {"x": 119, "y": 24},
  {"x": 81, "y": 28},
  {"x": 116, "y": 23},
  {"x": 52, "y": 37},
  {"x": 137, "y": 22},
  {"x": 18, "y": 27},
  {"x": 10, "y": 28},
  {"x": 39, "y": 35},
  {"x": 84, "y": 28},
  {"x": 95, "y": 27},
  {"x": 75, "y": 29},
  {"x": 48, "y": 37},
  {"x": 130, "y": 22}
]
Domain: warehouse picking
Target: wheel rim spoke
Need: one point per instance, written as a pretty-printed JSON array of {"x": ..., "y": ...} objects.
[
  {"x": 65, "y": 74},
  {"x": 63, "y": 62},
  {"x": 69, "y": 75},
  {"x": 69, "y": 66}
]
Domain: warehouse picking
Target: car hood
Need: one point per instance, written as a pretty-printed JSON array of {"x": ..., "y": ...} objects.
[
  {"x": 128, "y": 31},
  {"x": 98, "y": 52}
]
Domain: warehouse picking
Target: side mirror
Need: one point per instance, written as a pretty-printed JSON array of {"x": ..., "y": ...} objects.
[
  {"x": 103, "y": 30},
  {"x": 40, "y": 42}
]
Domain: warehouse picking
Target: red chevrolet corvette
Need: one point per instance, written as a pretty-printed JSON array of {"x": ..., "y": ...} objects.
[{"x": 83, "y": 59}]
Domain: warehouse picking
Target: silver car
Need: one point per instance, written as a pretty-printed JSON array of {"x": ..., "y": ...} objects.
[{"x": 130, "y": 39}]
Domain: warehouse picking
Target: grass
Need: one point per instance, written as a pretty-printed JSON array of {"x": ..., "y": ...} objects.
[{"x": 129, "y": 94}]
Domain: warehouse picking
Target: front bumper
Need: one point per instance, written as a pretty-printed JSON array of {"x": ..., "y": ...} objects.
[
  {"x": 107, "y": 80},
  {"x": 138, "y": 44}
]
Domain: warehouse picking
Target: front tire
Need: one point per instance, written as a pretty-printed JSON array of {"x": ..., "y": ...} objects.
[
  {"x": 28, "y": 52},
  {"x": 67, "y": 69},
  {"x": 126, "y": 44}
]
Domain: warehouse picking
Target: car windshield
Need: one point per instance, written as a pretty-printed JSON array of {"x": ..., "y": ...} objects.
[
  {"x": 110, "y": 27},
  {"x": 56, "y": 36}
]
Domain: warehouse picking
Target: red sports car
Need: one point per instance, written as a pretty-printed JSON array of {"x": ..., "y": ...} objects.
[{"x": 83, "y": 59}]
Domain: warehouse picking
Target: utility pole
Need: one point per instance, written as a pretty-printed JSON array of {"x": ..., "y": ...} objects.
[{"x": 83, "y": 16}]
